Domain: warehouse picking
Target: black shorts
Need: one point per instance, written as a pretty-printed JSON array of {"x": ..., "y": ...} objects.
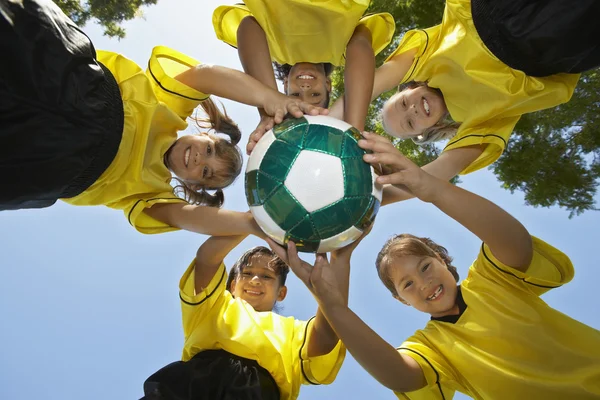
[
  {"x": 541, "y": 37},
  {"x": 61, "y": 113},
  {"x": 212, "y": 375}
]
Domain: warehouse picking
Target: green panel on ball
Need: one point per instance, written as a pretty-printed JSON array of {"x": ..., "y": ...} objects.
[
  {"x": 325, "y": 139},
  {"x": 278, "y": 159},
  {"x": 305, "y": 246},
  {"x": 251, "y": 185},
  {"x": 350, "y": 149},
  {"x": 357, "y": 177},
  {"x": 331, "y": 220},
  {"x": 295, "y": 134},
  {"x": 304, "y": 230},
  {"x": 369, "y": 216},
  {"x": 356, "y": 208},
  {"x": 284, "y": 209},
  {"x": 266, "y": 186},
  {"x": 290, "y": 124}
]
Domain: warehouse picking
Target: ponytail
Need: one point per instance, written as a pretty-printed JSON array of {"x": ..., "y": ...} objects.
[{"x": 219, "y": 121}]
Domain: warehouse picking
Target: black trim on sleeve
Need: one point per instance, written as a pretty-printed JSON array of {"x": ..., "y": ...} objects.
[
  {"x": 210, "y": 294},
  {"x": 170, "y": 91},
  {"x": 475, "y": 135},
  {"x": 419, "y": 57},
  {"x": 155, "y": 198},
  {"x": 300, "y": 354},
  {"x": 437, "y": 375},
  {"x": 510, "y": 273}
]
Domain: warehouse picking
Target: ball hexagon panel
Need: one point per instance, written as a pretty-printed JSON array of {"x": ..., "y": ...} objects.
[{"x": 316, "y": 180}]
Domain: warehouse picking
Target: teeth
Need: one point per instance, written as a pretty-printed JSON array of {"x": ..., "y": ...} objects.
[
  {"x": 436, "y": 294},
  {"x": 187, "y": 156},
  {"x": 305, "y": 77},
  {"x": 252, "y": 292},
  {"x": 426, "y": 106}
]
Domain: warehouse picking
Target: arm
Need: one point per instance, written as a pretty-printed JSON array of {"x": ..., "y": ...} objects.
[
  {"x": 506, "y": 237},
  {"x": 387, "y": 77},
  {"x": 358, "y": 77},
  {"x": 446, "y": 166},
  {"x": 205, "y": 220},
  {"x": 210, "y": 256}
]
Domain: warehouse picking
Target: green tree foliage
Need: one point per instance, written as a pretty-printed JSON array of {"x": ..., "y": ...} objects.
[
  {"x": 108, "y": 13},
  {"x": 553, "y": 156}
]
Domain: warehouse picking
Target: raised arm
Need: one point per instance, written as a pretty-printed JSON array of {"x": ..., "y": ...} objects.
[
  {"x": 387, "y": 77},
  {"x": 206, "y": 220},
  {"x": 210, "y": 256},
  {"x": 506, "y": 237}
]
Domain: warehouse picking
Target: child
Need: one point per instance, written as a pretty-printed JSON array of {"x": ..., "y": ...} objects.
[
  {"x": 491, "y": 337},
  {"x": 236, "y": 347},
  {"x": 484, "y": 66},
  {"x": 305, "y": 39},
  {"x": 93, "y": 128}
]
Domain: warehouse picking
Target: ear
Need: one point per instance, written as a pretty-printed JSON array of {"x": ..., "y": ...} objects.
[
  {"x": 285, "y": 85},
  {"x": 282, "y": 293},
  {"x": 401, "y": 300},
  {"x": 232, "y": 286},
  {"x": 328, "y": 84}
]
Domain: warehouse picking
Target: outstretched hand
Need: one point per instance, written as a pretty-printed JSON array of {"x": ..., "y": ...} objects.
[
  {"x": 266, "y": 122},
  {"x": 396, "y": 169},
  {"x": 277, "y": 105},
  {"x": 321, "y": 278}
]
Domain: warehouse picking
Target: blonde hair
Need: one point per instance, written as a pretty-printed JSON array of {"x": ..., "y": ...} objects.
[
  {"x": 406, "y": 244},
  {"x": 226, "y": 150},
  {"x": 443, "y": 129}
]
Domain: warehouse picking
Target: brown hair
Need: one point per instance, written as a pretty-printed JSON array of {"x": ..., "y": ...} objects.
[
  {"x": 227, "y": 151},
  {"x": 280, "y": 267},
  {"x": 409, "y": 245},
  {"x": 444, "y": 129}
]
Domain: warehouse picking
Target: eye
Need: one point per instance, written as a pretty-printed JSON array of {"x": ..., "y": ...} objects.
[
  {"x": 403, "y": 102},
  {"x": 425, "y": 267},
  {"x": 246, "y": 274},
  {"x": 410, "y": 124},
  {"x": 204, "y": 172},
  {"x": 267, "y": 277},
  {"x": 295, "y": 94},
  {"x": 409, "y": 283},
  {"x": 316, "y": 94}
]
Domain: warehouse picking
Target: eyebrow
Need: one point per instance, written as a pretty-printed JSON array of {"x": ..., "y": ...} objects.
[{"x": 406, "y": 276}]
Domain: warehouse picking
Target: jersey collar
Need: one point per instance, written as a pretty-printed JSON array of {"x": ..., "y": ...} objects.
[{"x": 462, "y": 306}]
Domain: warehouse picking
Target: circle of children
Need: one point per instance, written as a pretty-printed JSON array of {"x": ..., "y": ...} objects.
[{"x": 90, "y": 127}]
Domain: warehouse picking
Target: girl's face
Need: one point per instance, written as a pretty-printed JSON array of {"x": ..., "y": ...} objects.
[
  {"x": 194, "y": 160},
  {"x": 409, "y": 112},
  {"x": 258, "y": 284},
  {"x": 424, "y": 283},
  {"x": 308, "y": 82}
]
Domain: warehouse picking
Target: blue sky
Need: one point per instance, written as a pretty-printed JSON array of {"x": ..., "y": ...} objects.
[{"x": 90, "y": 307}]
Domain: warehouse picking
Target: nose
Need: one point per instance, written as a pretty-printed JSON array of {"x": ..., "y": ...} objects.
[
  {"x": 196, "y": 158},
  {"x": 305, "y": 86},
  {"x": 425, "y": 284},
  {"x": 255, "y": 281},
  {"x": 413, "y": 107}
]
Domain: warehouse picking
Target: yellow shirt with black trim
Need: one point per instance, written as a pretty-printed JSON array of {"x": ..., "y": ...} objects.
[
  {"x": 481, "y": 92},
  {"x": 214, "y": 319},
  {"x": 155, "y": 107},
  {"x": 315, "y": 31},
  {"x": 507, "y": 343}
]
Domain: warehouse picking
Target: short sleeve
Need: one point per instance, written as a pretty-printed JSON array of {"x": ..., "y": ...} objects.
[
  {"x": 550, "y": 268},
  {"x": 164, "y": 65},
  {"x": 227, "y": 19},
  {"x": 195, "y": 306},
  {"x": 382, "y": 27},
  {"x": 320, "y": 370},
  {"x": 419, "y": 39},
  {"x": 438, "y": 373},
  {"x": 141, "y": 221},
  {"x": 493, "y": 133}
]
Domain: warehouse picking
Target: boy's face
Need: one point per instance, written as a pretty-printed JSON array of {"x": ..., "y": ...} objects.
[
  {"x": 258, "y": 284},
  {"x": 424, "y": 283},
  {"x": 308, "y": 82}
]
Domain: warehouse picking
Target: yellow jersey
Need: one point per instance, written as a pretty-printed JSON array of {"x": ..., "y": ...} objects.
[
  {"x": 214, "y": 319},
  {"x": 155, "y": 108},
  {"x": 315, "y": 31},
  {"x": 507, "y": 343},
  {"x": 481, "y": 92}
]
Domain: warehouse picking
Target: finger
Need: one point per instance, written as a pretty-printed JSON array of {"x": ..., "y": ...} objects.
[
  {"x": 397, "y": 178},
  {"x": 295, "y": 109},
  {"x": 278, "y": 117},
  {"x": 373, "y": 136},
  {"x": 277, "y": 249},
  {"x": 376, "y": 145},
  {"x": 396, "y": 160}
]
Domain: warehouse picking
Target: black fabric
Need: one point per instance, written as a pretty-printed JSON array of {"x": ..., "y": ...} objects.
[
  {"x": 541, "y": 37},
  {"x": 61, "y": 113},
  {"x": 212, "y": 375},
  {"x": 462, "y": 307}
]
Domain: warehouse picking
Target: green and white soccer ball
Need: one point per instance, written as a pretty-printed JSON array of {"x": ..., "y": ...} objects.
[{"x": 306, "y": 181}]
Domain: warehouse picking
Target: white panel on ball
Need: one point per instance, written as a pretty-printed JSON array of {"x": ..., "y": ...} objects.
[
  {"x": 258, "y": 153},
  {"x": 339, "y": 240},
  {"x": 328, "y": 121},
  {"x": 316, "y": 180},
  {"x": 267, "y": 224},
  {"x": 377, "y": 187}
]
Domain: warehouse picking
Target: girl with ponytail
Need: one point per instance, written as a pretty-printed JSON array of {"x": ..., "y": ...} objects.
[{"x": 92, "y": 128}]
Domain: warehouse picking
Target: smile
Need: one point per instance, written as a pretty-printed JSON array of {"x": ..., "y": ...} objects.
[
  {"x": 305, "y": 76},
  {"x": 437, "y": 293},
  {"x": 426, "y": 106},
  {"x": 186, "y": 156},
  {"x": 253, "y": 292}
]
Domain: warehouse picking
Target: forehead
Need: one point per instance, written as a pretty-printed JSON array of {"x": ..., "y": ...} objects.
[
  {"x": 399, "y": 266},
  {"x": 260, "y": 261}
]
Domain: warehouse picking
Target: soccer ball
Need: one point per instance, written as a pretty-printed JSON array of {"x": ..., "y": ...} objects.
[{"x": 306, "y": 181}]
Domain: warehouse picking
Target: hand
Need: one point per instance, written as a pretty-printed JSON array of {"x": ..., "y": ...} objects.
[
  {"x": 277, "y": 105},
  {"x": 398, "y": 170},
  {"x": 254, "y": 227},
  {"x": 266, "y": 123},
  {"x": 346, "y": 251},
  {"x": 320, "y": 279}
]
